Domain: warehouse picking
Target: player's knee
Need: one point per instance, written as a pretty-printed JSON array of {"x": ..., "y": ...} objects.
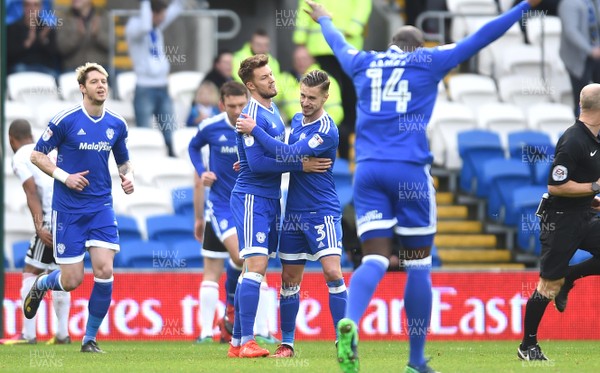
[
  {"x": 550, "y": 288},
  {"x": 103, "y": 271},
  {"x": 332, "y": 273},
  {"x": 290, "y": 278},
  {"x": 70, "y": 282}
]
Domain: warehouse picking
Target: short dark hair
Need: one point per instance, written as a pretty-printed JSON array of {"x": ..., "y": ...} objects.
[
  {"x": 220, "y": 54},
  {"x": 158, "y": 5},
  {"x": 260, "y": 32},
  {"x": 408, "y": 38},
  {"x": 317, "y": 78},
  {"x": 247, "y": 66},
  {"x": 233, "y": 89},
  {"x": 20, "y": 129}
]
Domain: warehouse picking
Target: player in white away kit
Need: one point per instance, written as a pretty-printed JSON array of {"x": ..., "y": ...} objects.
[
  {"x": 83, "y": 217},
  {"x": 38, "y": 189}
]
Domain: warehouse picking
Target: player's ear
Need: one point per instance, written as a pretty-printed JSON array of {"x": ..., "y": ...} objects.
[{"x": 221, "y": 106}]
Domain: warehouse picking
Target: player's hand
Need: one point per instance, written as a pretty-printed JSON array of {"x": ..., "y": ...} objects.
[
  {"x": 534, "y": 3},
  {"x": 245, "y": 124},
  {"x": 319, "y": 165},
  {"x": 199, "y": 229},
  {"x": 77, "y": 181},
  {"x": 45, "y": 236},
  {"x": 596, "y": 204},
  {"x": 236, "y": 166},
  {"x": 208, "y": 178},
  {"x": 317, "y": 10},
  {"x": 126, "y": 184}
]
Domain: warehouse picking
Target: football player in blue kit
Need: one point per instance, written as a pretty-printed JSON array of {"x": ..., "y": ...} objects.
[
  {"x": 396, "y": 91},
  {"x": 311, "y": 228},
  {"x": 83, "y": 216}
]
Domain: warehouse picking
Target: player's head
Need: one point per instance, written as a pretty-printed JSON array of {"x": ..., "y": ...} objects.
[
  {"x": 302, "y": 60},
  {"x": 159, "y": 10},
  {"x": 589, "y": 102},
  {"x": 314, "y": 91},
  {"x": 258, "y": 76},
  {"x": 19, "y": 134},
  {"x": 234, "y": 97},
  {"x": 408, "y": 38},
  {"x": 93, "y": 82},
  {"x": 260, "y": 43},
  {"x": 223, "y": 63}
]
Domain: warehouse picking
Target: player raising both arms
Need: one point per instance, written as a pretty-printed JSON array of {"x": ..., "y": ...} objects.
[
  {"x": 311, "y": 226},
  {"x": 397, "y": 89},
  {"x": 83, "y": 217}
]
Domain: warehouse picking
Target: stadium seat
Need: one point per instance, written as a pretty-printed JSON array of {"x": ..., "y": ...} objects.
[
  {"x": 19, "y": 249},
  {"x": 183, "y": 201},
  {"x": 124, "y": 109},
  {"x": 126, "y": 86},
  {"x": 181, "y": 140},
  {"x": 17, "y": 227},
  {"x": 562, "y": 92},
  {"x": 531, "y": 147},
  {"x": 69, "y": 87},
  {"x": 579, "y": 256},
  {"x": 522, "y": 59},
  {"x": 15, "y": 199},
  {"x": 166, "y": 173},
  {"x": 524, "y": 90},
  {"x": 488, "y": 59},
  {"x": 460, "y": 22},
  {"x": 447, "y": 120},
  {"x": 501, "y": 118},
  {"x": 128, "y": 228},
  {"x": 31, "y": 87},
  {"x": 475, "y": 147},
  {"x": 546, "y": 29},
  {"x": 170, "y": 228},
  {"x": 183, "y": 85},
  {"x": 146, "y": 201},
  {"x": 472, "y": 89},
  {"x": 541, "y": 173},
  {"x": 189, "y": 251},
  {"x": 146, "y": 143},
  {"x": 48, "y": 109},
  {"x": 144, "y": 254},
  {"x": 442, "y": 93},
  {"x": 502, "y": 176},
  {"x": 552, "y": 119},
  {"x": 523, "y": 197},
  {"x": 528, "y": 229}
]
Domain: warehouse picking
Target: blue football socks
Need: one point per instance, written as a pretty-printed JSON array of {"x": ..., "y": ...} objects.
[
  {"x": 98, "y": 307},
  {"x": 289, "y": 303},
  {"x": 231, "y": 282},
  {"x": 249, "y": 291},
  {"x": 50, "y": 282},
  {"x": 363, "y": 283},
  {"x": 417, "y": 304},
  {"x": 338, "y": 299}
]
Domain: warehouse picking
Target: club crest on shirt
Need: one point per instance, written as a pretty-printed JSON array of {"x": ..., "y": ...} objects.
[
  {"x": 315, "y": 141},
  {"x": 248, "y": 140},
  {"x": 261, "y": 237},
  {"x": 559, "y": 173},
  {"x": 110, "y": 133},
  {"x": 60, "y": 248},
  {"x": 47, "y": 134},
  {"x": 223, "y": 224},
  {"x": 302, "y": 136}
]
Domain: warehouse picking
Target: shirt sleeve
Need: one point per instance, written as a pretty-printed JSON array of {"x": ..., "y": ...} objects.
[
  {"x": 120, "y": 151},
  {"x": 20, "y": 168},
  {"x": 307, "y": 147},
  {"x": 52, "y": 137},
  {"x": 565, "y": 163},
  {"x": 259, "y": 161},
  {"x": 194, "y": 151},
  {"x": 448, "y": 56},
  {"x": 346, "y": 54}
]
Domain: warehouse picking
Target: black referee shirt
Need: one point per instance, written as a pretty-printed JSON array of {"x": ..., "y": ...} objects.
[{"x": 577, "y": 158}]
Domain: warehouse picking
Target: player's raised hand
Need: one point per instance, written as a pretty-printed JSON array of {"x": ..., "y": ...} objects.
[
  {"x": 319, "y": 165},
  {"x": 126, "y": 184},
  {"x": 208, "y": 178},
  {"x": 316, "y": 10},
  {"x": 77, "y": 181},
  {"x": 245, "y": 124},
  {"x": 534, "y": 3}
]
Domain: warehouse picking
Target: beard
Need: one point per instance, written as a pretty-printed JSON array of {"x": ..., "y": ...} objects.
[{"x": 267, "y": 95}]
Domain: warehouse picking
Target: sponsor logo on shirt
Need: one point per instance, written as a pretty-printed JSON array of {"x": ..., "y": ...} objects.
[
  {"x": 559, "y": 173},
  {"x": 229, "y": 149},
  {"x": 47, "y": 134},
  {"x": 315, "y": 141},
  {"x": 369, "y": 216},
  {"x": 96, "y": 146}
]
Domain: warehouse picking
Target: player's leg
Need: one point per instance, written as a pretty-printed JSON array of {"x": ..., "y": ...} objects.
[
  {"x": 103, "y": 244},
  {"x": 338, "y": 295},
  {"x": 165, "y": 116}
]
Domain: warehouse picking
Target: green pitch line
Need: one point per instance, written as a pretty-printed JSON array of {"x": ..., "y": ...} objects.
[{"x": 447, "y": 357}]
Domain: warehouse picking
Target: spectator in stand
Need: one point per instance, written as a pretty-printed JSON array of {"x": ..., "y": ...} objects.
[
  {"x": 289, "y": 103},
  {"x": 259, "y": 43},
  {"x": 83, "y": 35},
  {"x": 222, "y": 70},
  {"x": 205, "y": 104},
  {"x": 31, "y": 42},
  {"x": 14, "y": 11},
  {"x": 351, "y": 18},
  {"x": 144, "y": 35}
]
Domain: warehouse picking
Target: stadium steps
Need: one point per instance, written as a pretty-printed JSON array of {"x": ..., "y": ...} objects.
[
  {"x": 452, "y": 212},
  {"x": 465, "y": 240},
  {"x": 459, "y": 226},
  {"x": 444, "y": 198},
  {"x": 478, "y": 256},
  {"x": 485, "y": 266}
]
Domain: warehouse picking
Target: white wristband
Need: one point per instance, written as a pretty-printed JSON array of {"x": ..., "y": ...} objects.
[{"x": 60, "y": 175}]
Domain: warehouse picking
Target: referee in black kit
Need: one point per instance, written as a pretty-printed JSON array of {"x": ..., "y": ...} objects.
[{"x": 568, "y": 218}]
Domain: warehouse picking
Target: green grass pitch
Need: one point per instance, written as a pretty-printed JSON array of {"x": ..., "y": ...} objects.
[{"x": 379, "y": 357}]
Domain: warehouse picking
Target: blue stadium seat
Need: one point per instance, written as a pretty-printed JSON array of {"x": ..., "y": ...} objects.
[
  {"x": 19, "y": 249},
  {"x": 189, "y": 251},
  {"x": 528, "y": 231},
  {"x": 183, "y": 201},
  {"x": 144, "y": 254},
  {"x": 128, "y": 228},
  {"x": 579, "y": 256},
  {"x": 503, "y": 176},
  {"x": 475, "y": 147},
  {"x": 541, "y": 171},
  {"x": 170, "y": 229},
  {"x": 529, "y": 146},
  {"x": 524, "y": 198}
]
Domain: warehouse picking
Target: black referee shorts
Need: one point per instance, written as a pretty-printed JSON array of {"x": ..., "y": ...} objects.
[
  {"x": 39, "y": 255},
  {"x": 561, "y": 234}
]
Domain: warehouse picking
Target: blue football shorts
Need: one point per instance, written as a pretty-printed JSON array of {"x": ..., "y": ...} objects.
[
  {"x": 256, "y": 220},
  {"x": 306, "y": 236},
  {"x": 221, "y": 219},
  {"x": 395, "y": 197},
  {"x": 75, "y": 233}
]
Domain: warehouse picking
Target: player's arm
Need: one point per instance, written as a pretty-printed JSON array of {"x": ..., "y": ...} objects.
[
  {"x": 194, "y": 151},
  {"x": 173, "y": 11},
  {"x": 199, "y": 208},
  {"x": 258, "y": 161},
  {"x": 124, "y": 166},
  {"x": 37, "y": 213},
  {"x": 448, "y": 56},
  {"x": 137, "y": 28},
  {"x": 563, "y": 166},
  {"x": 126, "y": 175}
]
